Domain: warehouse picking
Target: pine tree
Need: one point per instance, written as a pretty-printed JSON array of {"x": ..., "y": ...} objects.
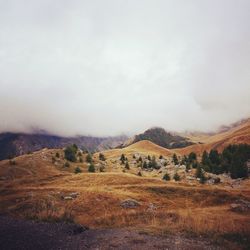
[
  {"x": 70, "y": 153},
  {"x": 145, "y": 165},
  {"x": 166, "y": 177},
  {"x": 176, "y": 177},
  {"x": 102, "y": 157},
  {"x": 77, "y": 170},
  {"x": 91, "y": 168},
  {"x": 127, "y": 165},
  {"x": 175, "y": 159},
  {"x": 89, "y": 158},
  {"x": 122, "y": 159}
]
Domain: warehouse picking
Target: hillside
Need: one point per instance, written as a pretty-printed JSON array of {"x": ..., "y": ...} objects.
[
  {"x": 142, "y": 147},
  {"x": 162, "y": 138},
  {"x": 238, "y": 134},
  {"x": 35, "y": 186},
  {"x": 14, "y": 144}
]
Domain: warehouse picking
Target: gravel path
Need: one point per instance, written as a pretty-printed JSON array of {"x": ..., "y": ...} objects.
[{"x": 20, "y": 234}]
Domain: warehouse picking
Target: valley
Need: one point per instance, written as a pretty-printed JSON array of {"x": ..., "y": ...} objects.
[{"x": 40, "y": 186}]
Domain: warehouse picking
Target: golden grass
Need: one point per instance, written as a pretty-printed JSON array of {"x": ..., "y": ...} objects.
[
  {"x": 237, "y": 135},
  {"x": 33, "y": 188},
  {"x": 177, "y": 208}
]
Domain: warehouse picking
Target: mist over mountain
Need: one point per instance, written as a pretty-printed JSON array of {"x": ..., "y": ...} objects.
[
  {"x": 14, "y": 144},
  {"x": 103, "y": 68}
]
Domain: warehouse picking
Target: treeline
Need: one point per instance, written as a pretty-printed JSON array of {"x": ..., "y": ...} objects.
[
  {"x": 233, "y": 160},
  {"x": 73, "y": 154}
]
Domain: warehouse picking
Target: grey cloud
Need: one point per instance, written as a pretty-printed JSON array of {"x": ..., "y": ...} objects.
[{"x": 108, "y": 67}]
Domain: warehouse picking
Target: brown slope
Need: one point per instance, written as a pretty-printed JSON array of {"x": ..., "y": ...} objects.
[
  {"x": 237, "y": 135},
  {"x": 143, "y": 147}
]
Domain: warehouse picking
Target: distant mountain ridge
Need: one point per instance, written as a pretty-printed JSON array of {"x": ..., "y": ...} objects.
[
  {"x": 162, "y": 138},
  {"x": 15, "y": 144}
]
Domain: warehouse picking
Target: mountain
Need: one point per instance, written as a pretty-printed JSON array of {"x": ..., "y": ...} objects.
[
  {"x": 162, "y": 138},
  {"x": 14, "y": 144},
  {"x": 238, "y": 133}
]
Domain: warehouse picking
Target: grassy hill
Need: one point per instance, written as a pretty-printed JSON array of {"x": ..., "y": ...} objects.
[
  {"x": 35, "y": 187},
  {"x": 237, "y": 135}
]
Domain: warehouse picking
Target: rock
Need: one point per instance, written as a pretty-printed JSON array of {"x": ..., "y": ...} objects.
[
  {"x": 74, "y": 195},
  {"x": 130, "y": 203},
  {"x": 67, "y": 198},
  {"x": 240, "y": 206}
]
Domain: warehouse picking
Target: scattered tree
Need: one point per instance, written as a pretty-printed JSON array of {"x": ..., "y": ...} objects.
[
  {"x": 127, "y": 165},
  {"x": 192, "y": 157},
  {"x": 89, "y": 158},
  {"x": 102, "y": 168},
  {"x": 175, "y": 159},
  {"x": 70, "y": 153},
  {"x": 145, "y": 165},
  {"x": 200, "y": 174},
  {"x": 166, "y": 177},
  {"x": 176, "y": 177},
  {"x": 78, "y": 170},
  {"x": 91, "y": 168},
  {"x": 102, "y": 157},
  {"x": 122, "y": 159}
]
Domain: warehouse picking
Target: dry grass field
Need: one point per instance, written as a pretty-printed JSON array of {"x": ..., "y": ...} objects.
[
  {"x": 236, "y": 135},
  {"x": 34, "y": 188}
]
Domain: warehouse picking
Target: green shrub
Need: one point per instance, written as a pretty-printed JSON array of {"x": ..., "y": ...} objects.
[
  {"x": 78, "y": 170},
  {"x": 102, "y": 157},
  {"x": 166, "y": 177},
  {"x": 66, "y": 165},
  {"x": 102, "y": 169},
  {"x": 89, "y": 158},
  {"x": 175, "y": 159},
  {"x": 122, "y": 159},
  {"x": 91, "y": 168},
  {"x": 70, "y": 153},
  {"x": 176, "y": 177},
  {"x": 127, "y": 165}
]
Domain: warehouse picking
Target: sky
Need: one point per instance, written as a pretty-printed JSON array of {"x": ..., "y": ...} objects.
[{"x": 110, "y": 67}]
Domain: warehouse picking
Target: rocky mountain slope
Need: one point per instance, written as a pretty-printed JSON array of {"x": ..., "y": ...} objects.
[{"x": 162, "y": 138}]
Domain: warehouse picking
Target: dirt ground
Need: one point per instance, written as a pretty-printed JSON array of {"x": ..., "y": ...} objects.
[{"x": 23, "y": 234}]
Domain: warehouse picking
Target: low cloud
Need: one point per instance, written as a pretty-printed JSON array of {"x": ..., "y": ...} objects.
[{"x": 110, "y": 67}]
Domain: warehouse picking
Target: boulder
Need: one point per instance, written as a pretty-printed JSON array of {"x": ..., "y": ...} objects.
[
  {"x": 70, "y": 196},
  {"x": 240, "y": 206},
  {"x": 130, "y": 203},
  {"x": 67, "y": 198}
]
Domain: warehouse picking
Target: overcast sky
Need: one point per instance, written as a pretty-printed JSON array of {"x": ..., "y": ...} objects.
[{"x": 110, "y": 67}]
